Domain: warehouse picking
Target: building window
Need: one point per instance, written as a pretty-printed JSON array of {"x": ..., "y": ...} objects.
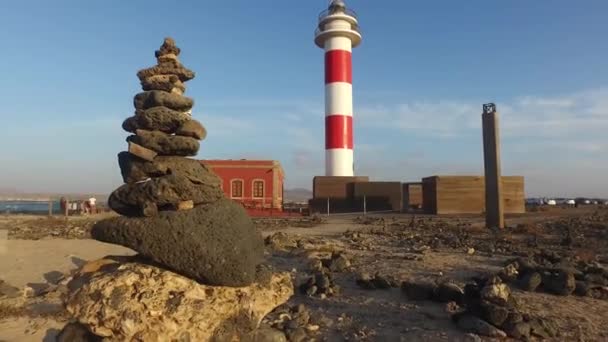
[
  {"x": 258, "y": 189},
  {"x": 237, "y": 188}
]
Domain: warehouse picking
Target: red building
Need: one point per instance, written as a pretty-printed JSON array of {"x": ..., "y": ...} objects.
[{"x": 258, "y": 184}]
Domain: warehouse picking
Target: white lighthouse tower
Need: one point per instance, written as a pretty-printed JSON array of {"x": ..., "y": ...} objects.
[{"x": 337, "y": 33}]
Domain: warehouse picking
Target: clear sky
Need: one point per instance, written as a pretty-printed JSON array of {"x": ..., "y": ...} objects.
[{"x": 421, "y": 75}]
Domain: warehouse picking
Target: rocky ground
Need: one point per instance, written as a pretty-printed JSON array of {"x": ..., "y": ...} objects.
[{"x": 376, "y": 278}]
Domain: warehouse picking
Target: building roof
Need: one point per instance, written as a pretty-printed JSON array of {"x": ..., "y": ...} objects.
[{"x": 228, "y": 163}]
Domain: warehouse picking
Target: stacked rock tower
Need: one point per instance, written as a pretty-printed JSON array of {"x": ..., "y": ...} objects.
[{"x": 174, "y": 211}]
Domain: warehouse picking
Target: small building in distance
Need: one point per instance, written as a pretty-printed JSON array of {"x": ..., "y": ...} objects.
[
  {"x": 257, "y": 184},
  {"x": 466, "y": 194}
]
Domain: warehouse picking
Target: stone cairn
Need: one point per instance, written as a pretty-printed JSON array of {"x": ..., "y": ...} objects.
[{"x": 198, "y": 251}]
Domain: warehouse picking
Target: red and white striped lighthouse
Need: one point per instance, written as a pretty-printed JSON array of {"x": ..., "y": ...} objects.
[{"x": 337, "y": 33}]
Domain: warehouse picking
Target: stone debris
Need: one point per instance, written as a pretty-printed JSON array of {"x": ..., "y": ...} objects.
[
  {"x": 378, "y": 281},
  {"x": 548, "y": 272},
  {"x": 123, "y": 300},
  {"x": 320, "y": 284},
  {"x": 295, "y": 323},
  {"x": 8, "y": 291}
]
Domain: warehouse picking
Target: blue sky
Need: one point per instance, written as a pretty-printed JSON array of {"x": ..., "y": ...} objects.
[{"x": 420, "y": 77}]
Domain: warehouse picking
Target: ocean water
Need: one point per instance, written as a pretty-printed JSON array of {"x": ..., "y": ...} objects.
[{"x": 28, "y": 207}]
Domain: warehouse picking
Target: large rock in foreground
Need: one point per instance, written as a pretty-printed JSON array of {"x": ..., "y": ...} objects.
[
  {"x": 215, "y": 244},
  {"x": 137, "y": 302}
]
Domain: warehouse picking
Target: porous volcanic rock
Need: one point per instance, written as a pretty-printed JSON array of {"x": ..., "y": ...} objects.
[
  {"x": 164, "y": 192},
  {"x": 165, "y": 144},
  {"x": 215, "y": 244},
  {"x": 193, "y": 129},
  {"x": 158, "y": 98},
  {"x": 161, "y": 119},
  {"x": 131, "y": 124},
  {"x": 134, "y": 169},
  {"x": 167, "y": 67},
  {"x": 169, "y": 83},
  {"x": 140, "y": 302}
]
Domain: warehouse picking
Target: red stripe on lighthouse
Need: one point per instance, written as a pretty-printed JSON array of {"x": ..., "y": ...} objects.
[
  {"x": 338, "y": 131},
  {"x": 338, "y": 66}
]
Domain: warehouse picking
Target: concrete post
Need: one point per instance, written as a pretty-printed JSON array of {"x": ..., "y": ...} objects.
[
  {"x": 493, "y": 180},
  {"x": 364, "y": 205},
  {"x": 327, "y": 206},
  {"x": 50, "y": 207}
]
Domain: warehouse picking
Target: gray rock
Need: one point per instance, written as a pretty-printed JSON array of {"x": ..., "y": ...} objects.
[
  {"x": 193, "y": 129},
  {"x": 449, "y": 292},
  {"x": 131, "y": 124},
  {"x": 497, "y": 293},
  {"x": 509, "y": 273},
  {"x": 559, "y": 282},
  {"x": 161, "y": 119},
  {"x": 215, "y": 244},
  {"x": 157, "y": 98},
  {"x": 542, "y": 328},
  {"x": 494, "y": 314},
  {"x": 8, "y": 291},
  {"x": 365, "y": 281},
  {"x": 265, "y": 334},
  {"x": 134, "y": 169},
  {"x": 477, "y": 326},
  {"x": 165, "y": 192},
  {"x": 514, "y": 317},
  {"x": 298, "y": 335},
  {"x": 381, "y": 282},
  {"x": 340, "y": 263},
  {"x": 520, "y": 330},
  {"x": 76, "y": 332},
  {"x": 165, "y": 144},
  {"x": 418, "y": 290},
  {"x": 530, "y": 282},
  {"x": 582, "y": 288}
]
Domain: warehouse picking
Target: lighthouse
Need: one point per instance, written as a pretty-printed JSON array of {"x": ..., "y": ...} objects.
[{"x": 338, "y": 33}]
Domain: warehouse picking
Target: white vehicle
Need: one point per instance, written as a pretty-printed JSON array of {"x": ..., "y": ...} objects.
[
  {"x": 570, "y": 202},
  {"x": 551, "y": 202}
]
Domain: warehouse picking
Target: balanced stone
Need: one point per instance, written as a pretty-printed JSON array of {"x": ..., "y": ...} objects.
[
  {"x": 192, "y": 128},
  {"x": 166, "y": 191},
  {"x": 158, "y": 98},
  {"x": 165, "y": 144},
  {"x": 142, "y": 152},
  {"x": 168, "y": 48},
  {"x": 167, "y": 67},
  {"x": 161, "y": 119},
  {"x": 135, "y": 169},
  {"x": 131, "y": 124},
  {"x": 166, "y": 83},
  {"x": 215, "y": 244}
]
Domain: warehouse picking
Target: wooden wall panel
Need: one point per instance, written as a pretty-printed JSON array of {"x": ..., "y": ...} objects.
[{"x": 466, "y": 194}]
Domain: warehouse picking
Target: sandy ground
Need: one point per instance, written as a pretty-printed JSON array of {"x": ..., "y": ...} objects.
[{"x": 384, "y": 245}]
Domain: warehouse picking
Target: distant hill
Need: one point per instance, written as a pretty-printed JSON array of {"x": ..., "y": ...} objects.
[{"x": 297, "y": 195}]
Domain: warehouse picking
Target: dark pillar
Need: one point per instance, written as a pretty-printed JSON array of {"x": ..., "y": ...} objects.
[{"x": 491, "y": 151}]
